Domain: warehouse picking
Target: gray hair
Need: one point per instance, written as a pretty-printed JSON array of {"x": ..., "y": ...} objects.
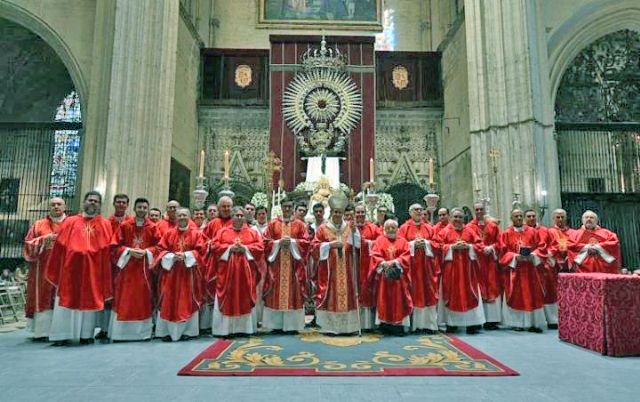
[
  {"x": 178, "y": 210},
  {"x": 414, "y": 206},
  {"x": 237, "y": 208},
  {"x": 225, "y": 199},
  {"x": 558, "y": 211},
  {"x": 454, "y": 210},
  {"x": 390, "y": 222},
  {"x": 590, "y": 212}
]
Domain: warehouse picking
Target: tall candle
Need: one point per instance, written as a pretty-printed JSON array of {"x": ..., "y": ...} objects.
[
  {"x": 226, "y": 164},
  {"x": 431, "y": 171},
  {"x": 201, "y": 163},
  {"x": 372, "y": 176}
]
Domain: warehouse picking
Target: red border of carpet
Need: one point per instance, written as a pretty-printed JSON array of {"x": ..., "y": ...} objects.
[{"x": 220, "y": 346}]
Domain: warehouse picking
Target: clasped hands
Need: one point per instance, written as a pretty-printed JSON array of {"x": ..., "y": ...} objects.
[
  {"x": 336, "y": 244},
  {"x": 285, "y": 241},
  {"x": 237, "y": 247},
  {"x": 460, "y": 245},
  {"x": 137, "y": 252},
  {"x": 592, "y": 250}
]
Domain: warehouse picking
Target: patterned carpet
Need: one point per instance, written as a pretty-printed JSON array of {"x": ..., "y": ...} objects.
[{"x": 313, "y": 354}]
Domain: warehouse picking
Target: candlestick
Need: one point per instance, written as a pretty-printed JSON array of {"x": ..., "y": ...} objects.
[
  {"x": 371, "y": 171},
  {"x": 226, "y": 164},
  {"x": 431, "y": 181},
  {"x": 201, "y": 164}
]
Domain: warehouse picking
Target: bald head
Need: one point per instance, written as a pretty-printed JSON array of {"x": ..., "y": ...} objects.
[
  {"x": 172, "y": 207},
  {"x": 57, "y": 206},
  {"x": 224, "y": 207}
]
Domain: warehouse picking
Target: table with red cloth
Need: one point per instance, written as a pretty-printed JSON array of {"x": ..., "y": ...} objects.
[{"x": 600, "y": 312}]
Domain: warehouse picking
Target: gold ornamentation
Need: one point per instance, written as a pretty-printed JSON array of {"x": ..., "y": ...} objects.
[
  {"x": 252, "y": 354},
  {"x": 243, "y": 75},
  {"x": 285, "y": 271},
  {"x": 340, "y": 341},
  {"x": 400, "y": 77}
]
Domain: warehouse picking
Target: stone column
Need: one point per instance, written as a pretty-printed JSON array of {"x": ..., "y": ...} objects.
[
  {"x": 135, "y": 152},
  {"x": 510, "y": 111}
]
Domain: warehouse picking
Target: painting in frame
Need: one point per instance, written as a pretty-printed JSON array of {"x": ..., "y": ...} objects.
[{"x": 330, "y": 14}]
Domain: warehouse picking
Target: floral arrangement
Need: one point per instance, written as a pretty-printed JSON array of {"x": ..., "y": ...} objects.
[
  {"x": 260, "y": 199},
  {"x": 312, "y": 187},
  {"x": 385, "y": 200}
]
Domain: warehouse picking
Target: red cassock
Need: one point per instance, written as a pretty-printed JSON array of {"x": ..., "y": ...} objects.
[
  {"x": 460, "y": 279},
  {"x": 235, "y": 274},
  {"x": 524, "y": 289},
  {"x": 423, "y": 267},
  {"x": 286, "y": 283},
  {"x": 606, "y": 243},
  {"x": 559, "y": 244},
  {"x": 489, "y": 271},
  {"x": 40, "y": 292},
  {"x": 165, "y": 225},
  {"x": 392, "y": 296},
  {"x": 80, "y": 263},
  {"x": 180, "y": 288},
  {"x": 133, "y": 291},
  {"x": 439, "y": 227},
  {"x": 335, "y": 291},
  {"x": 368, "y": 235}
]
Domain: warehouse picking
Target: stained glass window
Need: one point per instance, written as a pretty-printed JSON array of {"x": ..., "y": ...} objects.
[{"x": 66, "y": 149}]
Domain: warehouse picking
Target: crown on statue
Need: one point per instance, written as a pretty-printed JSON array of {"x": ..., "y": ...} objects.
[{"x": 323, "y": 58}]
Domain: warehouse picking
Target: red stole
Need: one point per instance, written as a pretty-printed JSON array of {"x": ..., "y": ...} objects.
[
  {"x": 286, "y": 284},
  {"x": 80, "y": 263},
  {"x": 335, "y": 287}
]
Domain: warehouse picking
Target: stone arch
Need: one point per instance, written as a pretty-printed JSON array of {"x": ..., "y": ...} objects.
[
  {"x": 23, "y": 17},
  {"x": 590, "y": 23}
]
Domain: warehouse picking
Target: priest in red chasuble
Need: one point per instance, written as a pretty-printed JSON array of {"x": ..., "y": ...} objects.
[
  {"x": 235, "y": 248},
  {"x": 37, "y": 248},
  {"x": 443, "y": 221},
  {"x": 461, "y": 298},
  {"x": 559, "y": 235},
  {"x": 593, "y": 248},
  {"x": 80, "y": 269},
  {"x": 369, "y": 232},
  {"x": 222, "y": 220},
  {"x": 489, "y": 272},
  {"x": 337, "y": 309},
  {"x": 181, "y": 263},
  {"x": 391, "y": 278},
  {"x": 424, "y": 271},
  {"x": 169, "y": 220},
  {"x": 522, "y": 253},
  {"x": 285, "y": 287},
  {"x": 135, "y": 241}
]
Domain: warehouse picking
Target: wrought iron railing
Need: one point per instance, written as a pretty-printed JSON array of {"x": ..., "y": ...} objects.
[
  {"x": 599, "y": 158},
  {"x": 37, "y": 160}
]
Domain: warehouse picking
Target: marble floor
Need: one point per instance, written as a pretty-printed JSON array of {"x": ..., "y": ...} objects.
[{"x": 550, "y": 370}]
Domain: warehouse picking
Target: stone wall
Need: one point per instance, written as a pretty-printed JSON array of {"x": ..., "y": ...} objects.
[
  {"x": 185, "y": 141},
  {"x": 455, "y": 153},
  {"x": 236, "y": 25}
]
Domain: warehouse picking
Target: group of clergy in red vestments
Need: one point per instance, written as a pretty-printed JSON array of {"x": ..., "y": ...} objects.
[{"x": 177, "y": 277}]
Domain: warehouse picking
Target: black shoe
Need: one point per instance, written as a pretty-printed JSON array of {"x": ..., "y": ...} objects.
[
  {"x": 60, "y": 343},
  {"x": 40, "y": 339},
  {"x": 473, "y": 329},
  {"x": 102, "y": 335},
  {"x": 490, "y": 326},
  {"x": 205, "y": 331},
  {"x": 430, "y": 331},
  {"x": 552, "y": 326},
  {"x": 87, "y": 341},
  {"x": 518, "y": 329},
  {"x": 451, "y": 329},
  {"x": 166, "y": 338},
  {"x": 535, "y": 330}
]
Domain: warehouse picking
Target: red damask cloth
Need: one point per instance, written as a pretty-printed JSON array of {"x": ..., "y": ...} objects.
[{"x": 600, "y": 312}]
